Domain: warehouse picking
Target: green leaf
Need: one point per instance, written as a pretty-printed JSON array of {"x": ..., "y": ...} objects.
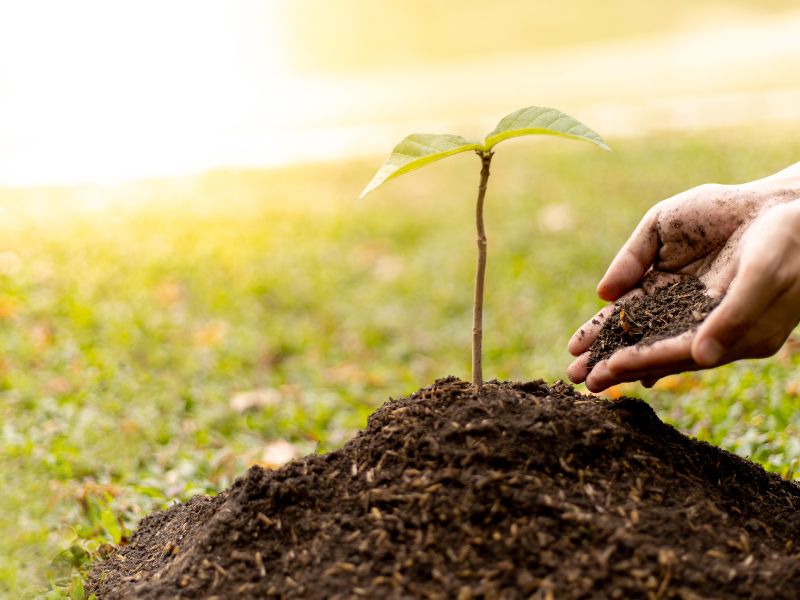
[
  {"x": 536, "y": 120},
  {"x": 110, "y": 524},
  {"x": 418, "y": 150},
  {"x": 77, "y": 591}
]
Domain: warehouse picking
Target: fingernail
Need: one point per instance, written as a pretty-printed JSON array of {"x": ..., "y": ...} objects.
[{"x": 709, "y": 352}]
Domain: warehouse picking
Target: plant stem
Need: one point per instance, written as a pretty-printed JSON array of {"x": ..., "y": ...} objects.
[{"x": 477, "y": 308}]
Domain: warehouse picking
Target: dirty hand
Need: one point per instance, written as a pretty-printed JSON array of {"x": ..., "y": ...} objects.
[{"x": 740, "y": 239}]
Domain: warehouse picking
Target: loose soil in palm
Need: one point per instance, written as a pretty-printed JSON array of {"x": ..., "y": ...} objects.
[
  {"x": 523, "y": 491},
  {"x": 668, "y": 311}
]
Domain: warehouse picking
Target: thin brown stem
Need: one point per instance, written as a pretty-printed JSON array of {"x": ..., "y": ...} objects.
[{"x": 477, "y": 309}]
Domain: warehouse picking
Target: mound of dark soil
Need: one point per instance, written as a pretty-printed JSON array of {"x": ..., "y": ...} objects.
[
  {"x": 666, "y": 312},
  {"x": 526, "y": 491}
]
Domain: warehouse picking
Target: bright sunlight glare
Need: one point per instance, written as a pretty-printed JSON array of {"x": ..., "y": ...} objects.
[
  {"x": 109, "y": 92},
  {"x": 105, "y": 91}
]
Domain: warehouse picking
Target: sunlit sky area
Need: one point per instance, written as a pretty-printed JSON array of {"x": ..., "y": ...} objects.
[{"x": 94, "y": 91}]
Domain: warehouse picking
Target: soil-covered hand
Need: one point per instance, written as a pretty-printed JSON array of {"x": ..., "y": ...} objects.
[{"x": 740, "y": 240}]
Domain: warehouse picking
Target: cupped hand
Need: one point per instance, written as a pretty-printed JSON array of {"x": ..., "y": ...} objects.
[{"x": 740, "y": 240}]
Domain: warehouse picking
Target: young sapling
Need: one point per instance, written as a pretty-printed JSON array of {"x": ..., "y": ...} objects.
[{"x": 420, "y": 149}]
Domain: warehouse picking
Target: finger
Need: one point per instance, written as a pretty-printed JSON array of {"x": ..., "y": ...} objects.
[
  {"x": 587, "y": 333},
  {"x": 750, "y": 294},
  {"x": 602, "y": 379},
  {"x": 633, "y": 260},
  {"x": 655, "y": 356},
  {"x": 653, "y": 375},
  {"x": 771, "y": 330},
  {"x": 582, "y": 339},
  {"x": 599, "y": 378},
  {"x": 579, "y": 369},
  {"x": 634, "y": 363}
]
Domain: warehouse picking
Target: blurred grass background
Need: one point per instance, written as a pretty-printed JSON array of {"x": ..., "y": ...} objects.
[
  {"x": 157, "y": 337},
  {"x": 433, "y": 31}
]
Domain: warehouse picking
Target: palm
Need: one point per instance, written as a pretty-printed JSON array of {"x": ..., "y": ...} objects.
[{"x": 698, "y": 234}]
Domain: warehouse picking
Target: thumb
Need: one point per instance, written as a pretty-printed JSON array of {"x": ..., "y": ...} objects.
[
  {"x": 633, "y": 259},
  {"x": 749, "y": 295}
]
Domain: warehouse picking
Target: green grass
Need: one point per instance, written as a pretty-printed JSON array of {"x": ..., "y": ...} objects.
[{"x": 125, "y": 332}]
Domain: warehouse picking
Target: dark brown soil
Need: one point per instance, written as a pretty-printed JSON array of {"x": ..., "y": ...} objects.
[
  {"x": 527, "y": 491},
  {"x": 666, "y": 312}
]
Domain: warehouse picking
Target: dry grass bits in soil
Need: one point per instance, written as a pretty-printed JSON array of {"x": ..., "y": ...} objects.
[{"x": 526, "y": 491}]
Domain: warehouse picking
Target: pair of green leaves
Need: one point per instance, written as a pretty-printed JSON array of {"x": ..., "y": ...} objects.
[{"x": 420, "y": 149}]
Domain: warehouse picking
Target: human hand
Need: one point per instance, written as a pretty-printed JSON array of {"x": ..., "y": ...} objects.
[{"x": 741, "y": 239}]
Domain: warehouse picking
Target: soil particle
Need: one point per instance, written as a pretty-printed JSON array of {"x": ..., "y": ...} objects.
[
  {"x": 666, "y": 312},
  {"x": 526, "y": 491}
]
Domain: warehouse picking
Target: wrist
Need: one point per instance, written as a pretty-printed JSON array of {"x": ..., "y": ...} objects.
[
  {"x": 786, "y": 181},
  {"x": 779, "y": 188},
  {"x": 791, "y": 171}
]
